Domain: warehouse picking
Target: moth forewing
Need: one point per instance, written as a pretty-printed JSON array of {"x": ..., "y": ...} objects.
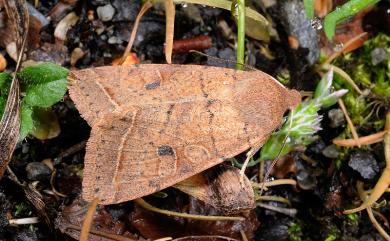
[{"x": 156, "y": 125}]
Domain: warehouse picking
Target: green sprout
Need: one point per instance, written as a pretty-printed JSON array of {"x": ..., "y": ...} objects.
[
  {"x": 302, "y": 123},
  {"x": 341, "y": 13},
  {"x": 42, "y": 86}
]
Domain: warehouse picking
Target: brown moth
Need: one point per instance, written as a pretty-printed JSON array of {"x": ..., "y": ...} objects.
[{"x": 154, "y": 125}]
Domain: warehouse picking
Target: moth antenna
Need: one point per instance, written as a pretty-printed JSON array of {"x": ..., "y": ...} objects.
[
  {"x": 277, "y": 157},
  {"x": 223, "y": 60}
]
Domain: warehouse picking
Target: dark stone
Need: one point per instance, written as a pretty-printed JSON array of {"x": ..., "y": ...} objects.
[
  {"x": 364, "y": 163},
  {"x": 336, "y": 117},
  {"x": 330, "y": 151},
  {"x": 37, "y": 171}
]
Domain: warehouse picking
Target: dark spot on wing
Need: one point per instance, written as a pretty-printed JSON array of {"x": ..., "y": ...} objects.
[
  {"x": 165, "y": 151},
  {"x": 153, "y": 85}
]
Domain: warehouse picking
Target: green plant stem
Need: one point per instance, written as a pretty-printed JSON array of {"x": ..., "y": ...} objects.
[
  {"x": 350, "y": 8},
  {"x": 309, "y": 8},
  {"x": 240, "y": 8}
]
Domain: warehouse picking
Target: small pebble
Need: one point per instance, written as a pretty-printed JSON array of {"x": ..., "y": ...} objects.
[
  {"x": 114, "y": 40},
  {"x": 336, "y": 117},
  {"x": 378, "y": 55},
  {"x": 126, "y": 10},
  {"x": 106, "y": 12},
  {"x": 330, "y": 151},
  {"x": 305, "y": 180},
  {"x": 37, "y": 171},
  {"x": 364, "y": 163},
  {"x": 76, "y": 55},
  {"x": 25, "y": 148}
]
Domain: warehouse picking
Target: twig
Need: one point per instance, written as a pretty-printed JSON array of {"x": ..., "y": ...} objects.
[
  {"x": 23, "y": 221},
  {"x": 70, "y": 151},
  {"x": 196, "y": 43},
  {"x": 149, "y": 207},
  {"x": 275, "y": 183},
  {"x": 349, "y": 121},
  {"x": 287, "y": 211}
]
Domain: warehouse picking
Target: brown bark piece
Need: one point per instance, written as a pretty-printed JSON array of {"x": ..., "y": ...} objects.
[{"x": 156, "y": 125}]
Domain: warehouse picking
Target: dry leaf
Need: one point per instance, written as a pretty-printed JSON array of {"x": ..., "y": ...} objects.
[
  {"x": 156, "y": 125},
  {"x": 10, "y": 121}
]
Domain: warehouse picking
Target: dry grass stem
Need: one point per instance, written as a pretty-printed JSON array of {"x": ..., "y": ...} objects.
[
  {"x": 274, "y": 183},
  {"x": 243, "y": 235},
  {"x": 287, "y": 211},
  {"x": 345, "y": 46},
  {"x": 87, "y": 223},
  {"x": 349, "y": 121},
  {"x": 145, "y": 7},
  {"x": 151, "y": 208},
  {"x": 169, "y": 29},
  {"x": 344, "y": 75},
  {"x": 274, "y": 199},
  {"x": 365, "y": 140},
  {"x": 377, "y": 226}
]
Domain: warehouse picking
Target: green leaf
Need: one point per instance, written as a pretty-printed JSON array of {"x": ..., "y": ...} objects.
[
  {"x": 45, "y": 94},
  {"x": 349, "y": 9},
  {"x": 46, "y": 124},
  {"x": 5, "y": 83},
  {"x": 309, "y": 8},
  {"x": 42, "y": 73},
  {"x": 26, "y": 122}
]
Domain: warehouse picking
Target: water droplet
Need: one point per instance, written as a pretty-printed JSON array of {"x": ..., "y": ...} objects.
[
  {"x": 316, "y": 23},
  {"x": 338, "y": 47}
]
